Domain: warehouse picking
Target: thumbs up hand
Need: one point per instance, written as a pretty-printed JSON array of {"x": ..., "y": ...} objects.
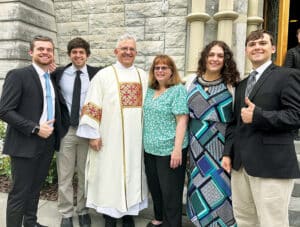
[{"x": 247, "y": 112}]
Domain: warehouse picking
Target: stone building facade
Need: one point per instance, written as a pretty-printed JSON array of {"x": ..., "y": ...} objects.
[{"x": 179, "y": 28}]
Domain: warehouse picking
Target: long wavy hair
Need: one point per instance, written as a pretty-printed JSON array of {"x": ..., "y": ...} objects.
[
  {"x": 167, "y": 60},
  {"x": 229, "y": 70}
]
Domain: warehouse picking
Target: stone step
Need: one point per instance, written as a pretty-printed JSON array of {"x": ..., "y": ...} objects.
[
  {"x": 296, "y": 190},
  {"x": 297, "y": 146},
  {"x": 294, "y": 211}
]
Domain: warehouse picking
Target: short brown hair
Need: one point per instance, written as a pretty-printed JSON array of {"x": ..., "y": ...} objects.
[
  {"x": 167, "y": 60},
  {"x": 40, "y": 38},
  {"x": 79, "y": 43},
  {"x": 258, "y": 34}
]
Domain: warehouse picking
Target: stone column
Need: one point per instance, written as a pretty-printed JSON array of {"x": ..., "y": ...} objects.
[
  {"x": 253, "y": 22},
  {"x": 197, "y": 19},
  {"x": 225, "y": 18},
  {"x": 20, "y": 21}
]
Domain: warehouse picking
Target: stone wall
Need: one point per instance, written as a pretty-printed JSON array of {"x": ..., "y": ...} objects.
[
  {"x": 20, "y": 21},
  {"x": 101, "y": 22}
]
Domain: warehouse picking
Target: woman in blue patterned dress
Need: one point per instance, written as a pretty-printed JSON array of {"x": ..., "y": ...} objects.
[
  {"x": 165, "y": 141},
  {"x": 210, "y": 105}
]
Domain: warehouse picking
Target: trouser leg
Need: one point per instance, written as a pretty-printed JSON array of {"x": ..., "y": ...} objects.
[
  {"x": 28, "y": 175},
  {"x": 268, "y": 193},
  {"x": 22, "y": 170},
  {"x": 65, "y": 160},
  {"x": 82, "y": 150},
  {"x": 153, "y": 185},
  {"x": 244, "y": 209},
  {"x": 42, "y": 168},
  {"x": 171, "y": 182}
]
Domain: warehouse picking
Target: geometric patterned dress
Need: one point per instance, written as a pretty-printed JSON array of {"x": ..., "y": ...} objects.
[{"x": 209, "y": 192}]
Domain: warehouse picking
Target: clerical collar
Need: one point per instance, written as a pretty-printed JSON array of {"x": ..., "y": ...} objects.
[{"x": 120, "y": 66}]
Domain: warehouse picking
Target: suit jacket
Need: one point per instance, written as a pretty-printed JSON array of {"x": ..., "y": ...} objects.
[
  {"x": 292, "y": 59},
  {"x": 265, "y": 147},
  {"x": 56, "y": 76},
  {"x": 21, "y": 106}
]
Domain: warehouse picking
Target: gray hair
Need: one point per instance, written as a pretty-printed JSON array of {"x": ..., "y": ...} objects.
[{"x": 125, "y": 37}]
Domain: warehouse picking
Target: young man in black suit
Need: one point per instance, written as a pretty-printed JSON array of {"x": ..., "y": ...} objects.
[
  {"x": 74, "y": 77},
  {"x": 259, "y": 142},
  {"x": 292, "y": 60},
  {"x": 29, "y": 106}
]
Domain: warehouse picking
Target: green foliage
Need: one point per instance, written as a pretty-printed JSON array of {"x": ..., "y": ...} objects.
[
  {"x": 2, "y": 130},
  {"x": 4, "y": 160},
  {"x": 52, "y": 174},
  {"x": 5, "y": 166}
]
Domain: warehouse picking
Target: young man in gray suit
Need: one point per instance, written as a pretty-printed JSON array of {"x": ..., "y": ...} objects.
[
  {"x": 30, "y": 107},
  {"x": 259, "y": 142},
  {"x": 73, "y": 81}
]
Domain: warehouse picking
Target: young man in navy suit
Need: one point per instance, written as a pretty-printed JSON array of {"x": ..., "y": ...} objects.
[
  {"x": 29, "y": 106},
  {"x": 259, "y": 146},
  {"x": 73, "y": 151}
]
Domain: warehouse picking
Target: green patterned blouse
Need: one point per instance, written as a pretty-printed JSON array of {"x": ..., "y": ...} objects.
[{"x": 160, "y": 119}]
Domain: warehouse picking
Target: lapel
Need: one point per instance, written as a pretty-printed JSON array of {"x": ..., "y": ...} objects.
[
  {"x": 60, "y": 73},
  {"x": 261, "y": 81},
  {"x": 90, "y": 72},
  {"x": 33, "y": 73},
  {"x": 240, "y": 94}
]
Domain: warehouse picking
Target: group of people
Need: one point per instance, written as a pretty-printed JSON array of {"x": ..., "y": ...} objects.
[{"x": 124, "y": 132}]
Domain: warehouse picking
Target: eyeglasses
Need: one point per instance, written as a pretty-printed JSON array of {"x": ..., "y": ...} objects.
[
  {"x": 124, "y": 49},
  {"x": 162, "y": 68}
]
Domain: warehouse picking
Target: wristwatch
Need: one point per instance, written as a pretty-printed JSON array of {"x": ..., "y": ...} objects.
[{"x": 35, "y": 130}]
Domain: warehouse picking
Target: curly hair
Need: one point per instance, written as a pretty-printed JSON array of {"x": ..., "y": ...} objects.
[
  {"x": 229, "y": 70},
  {"x": 78, "y": 43},
  {"x": 167, "y": 60}
]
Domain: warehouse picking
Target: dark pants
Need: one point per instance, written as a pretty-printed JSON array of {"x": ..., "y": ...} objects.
[
  {"x": 28, "y": 176},
  {"x": 166, "y": 188}
]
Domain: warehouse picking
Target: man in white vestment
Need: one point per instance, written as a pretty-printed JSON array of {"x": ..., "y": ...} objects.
[{"x": 112, "y": 120}]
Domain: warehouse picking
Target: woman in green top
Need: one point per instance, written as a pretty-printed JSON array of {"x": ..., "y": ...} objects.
[{"x": 165, "y": 141}]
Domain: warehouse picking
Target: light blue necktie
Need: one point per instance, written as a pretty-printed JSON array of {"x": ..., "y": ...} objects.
[{"x": 48, "y": 97}]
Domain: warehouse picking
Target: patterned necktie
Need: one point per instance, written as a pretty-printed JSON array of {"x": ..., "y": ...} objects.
[
  {"x": 48, "y": 97},
  {"x": 250, "y": 83},
  {"x": 74, "y": 120}
]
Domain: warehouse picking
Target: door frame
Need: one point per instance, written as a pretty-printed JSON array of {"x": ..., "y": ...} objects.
[{"x": 283, "y": 30}]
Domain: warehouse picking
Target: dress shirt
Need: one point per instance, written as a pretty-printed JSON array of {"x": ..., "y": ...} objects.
[
  {"x": 67, "y": 85},
  {"x": 41, "y": 73},
  {"x": 260, "y": 70}
]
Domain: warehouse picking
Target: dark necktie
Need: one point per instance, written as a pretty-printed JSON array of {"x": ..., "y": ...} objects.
[
  {"x": 48, "y": 97},
  {"x": 74, "y": 119},
  {"x": 250, "y": 83}
]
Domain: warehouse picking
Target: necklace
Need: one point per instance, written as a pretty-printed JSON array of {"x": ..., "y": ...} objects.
[{"x": 207, "y": 83}]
